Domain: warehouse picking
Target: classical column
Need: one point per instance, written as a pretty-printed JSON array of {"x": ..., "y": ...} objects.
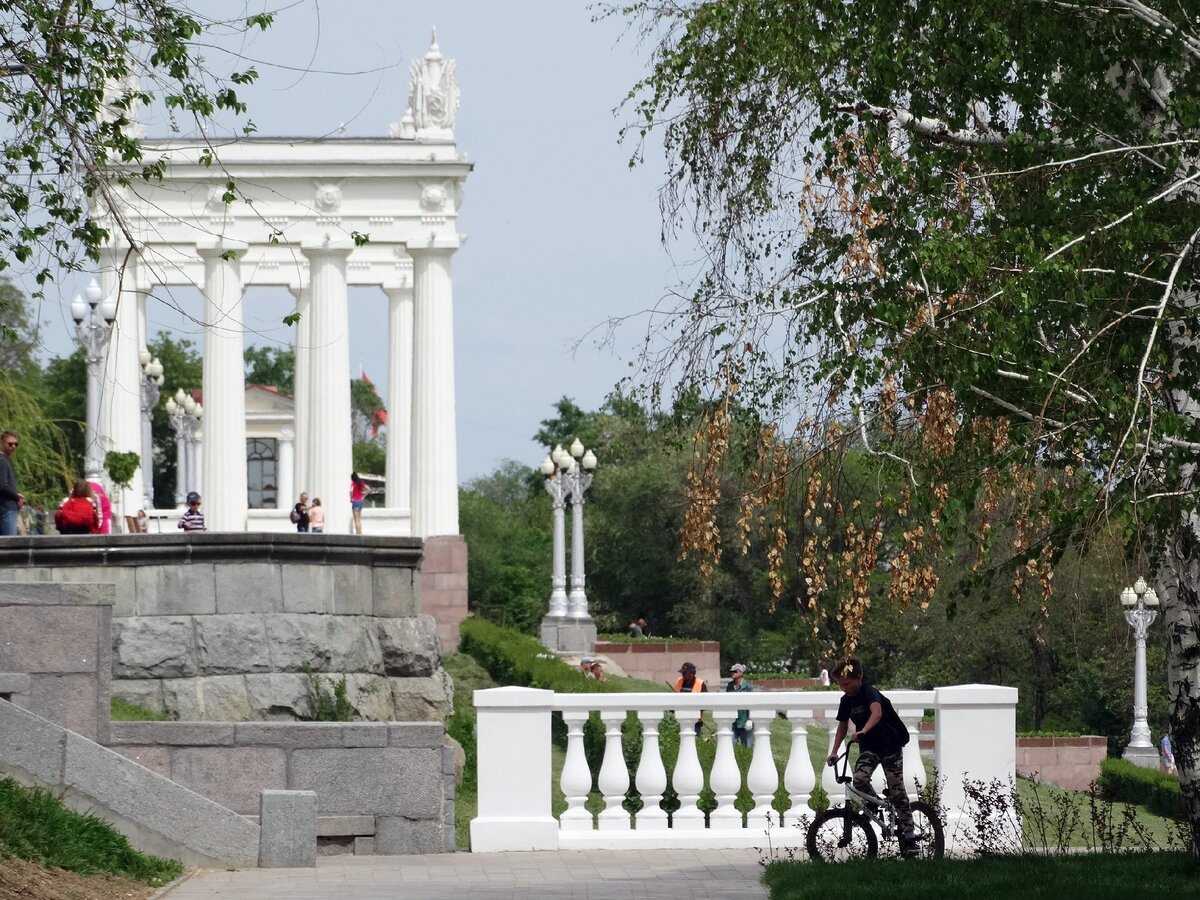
[
  {"x": 285, "y": 486},
  {"x": 301, "y": 395},
  {"x": 327, "y": 419},
  {"x": 223, "y": 449},
  {"x": 400, "y": 380},
  {"x": 121, "y": 391},
  {"x": 434, "y": 446}
]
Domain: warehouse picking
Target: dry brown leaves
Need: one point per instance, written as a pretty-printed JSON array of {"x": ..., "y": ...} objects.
[{"x": 23, "y": 880}]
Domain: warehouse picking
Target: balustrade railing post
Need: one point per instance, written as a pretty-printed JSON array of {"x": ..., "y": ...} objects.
[
  {"x": 914, "y": 768},
  {"x": 512, "y": 731},
  {"x": 688, "y": 777},
  {"x": 763, "y": 778},
  {"x": 828, "y": 777},
  {"x": 651, "y": 777},
  {"x": 725, "y": 779},
  {"x": 576, "y": 778},
  {"x": 798, "y": 777},
  {"x": 614, "y": 774}
]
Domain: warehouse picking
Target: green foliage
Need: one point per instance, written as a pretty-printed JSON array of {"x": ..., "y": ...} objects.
[
  {"x": 370, "y": 458},
  {"x": 328, "y": 699},
  {"x": 75, "y": 78},
  {"x": 1122, "y": 781},
  {"x": 34, "y": 825},
  {"x": 512, "y": 658},
  {"x": 62, "y": 395},
  {"x": 272, "y": 366},
  {"x": 182, "y": 370},
  {"x": 121, "y": 466},
  {"x": 122, "y": 710},
  {"x": 42, "y": 464}
]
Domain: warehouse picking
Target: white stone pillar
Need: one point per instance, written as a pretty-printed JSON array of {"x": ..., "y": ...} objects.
[
  {"x": 121, "y": 389},
  {"x": 224, "y": 422},
  {"x": 181, "y": 465},
  {"x": 400, "y": 385},
  {"x": 434, "y": 443},
  {"x": 329, "y": 450},
  {"x": 285, "y": 486},
  {"x": 196, "y": 467},
  {"x": 302, "y": 395}
]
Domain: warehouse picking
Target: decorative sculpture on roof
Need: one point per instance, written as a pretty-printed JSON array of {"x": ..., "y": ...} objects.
[{"x": 433, "y": 95}]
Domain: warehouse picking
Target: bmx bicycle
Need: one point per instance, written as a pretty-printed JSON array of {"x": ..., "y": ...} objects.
[{"x": 854, "y": 829}]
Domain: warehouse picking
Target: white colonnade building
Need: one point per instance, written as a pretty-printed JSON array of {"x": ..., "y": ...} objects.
[{"x": 316, "y": 216}]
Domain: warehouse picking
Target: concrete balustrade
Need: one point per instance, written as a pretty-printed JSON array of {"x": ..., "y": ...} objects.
[{"x": 513, "y": 730}]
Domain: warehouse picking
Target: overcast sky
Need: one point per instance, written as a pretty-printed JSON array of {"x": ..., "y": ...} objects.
[{"x": 562, "y": 235}]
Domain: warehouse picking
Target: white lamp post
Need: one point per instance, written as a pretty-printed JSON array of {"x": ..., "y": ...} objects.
[
  {"x": 1141, "y": 609},
  {"x": 185, "y": 413},
  {"x": 152, "y": 379},
  {"x": 567, "y": 626},
  {"x": 93, "y": 327}
]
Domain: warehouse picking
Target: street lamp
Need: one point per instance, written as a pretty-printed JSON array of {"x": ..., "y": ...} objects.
[
  {"x": 152, "y": 379},
  {"x": 184, "y": 414},
  {"x": 568, "y": 475},
  {"x": 1141, "y": 609},
  {"x": 93, "y": 328}
]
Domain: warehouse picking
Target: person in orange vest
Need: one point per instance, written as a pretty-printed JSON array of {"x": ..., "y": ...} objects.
[{"x": 688, "y": 683}]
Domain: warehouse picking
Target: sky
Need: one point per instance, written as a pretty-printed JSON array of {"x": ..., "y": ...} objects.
[{"x": 562, "y": 236}]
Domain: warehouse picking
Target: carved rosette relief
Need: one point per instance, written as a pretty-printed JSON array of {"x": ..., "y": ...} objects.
[
  {"x": 433, "y": 198},
  {"x": 328, "y": 199}
]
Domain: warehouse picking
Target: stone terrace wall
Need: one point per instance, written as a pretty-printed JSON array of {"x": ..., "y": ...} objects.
[
  {"x": 219, "y": 627},
  {"x": 655, "y": 661},
  {"x": 382, "y": 788},
  {"x": 1066, "y": 762},
  {"x": 56, "y": 653}
]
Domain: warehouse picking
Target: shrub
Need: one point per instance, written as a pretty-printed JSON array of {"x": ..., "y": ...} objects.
[{"x": 1159, "y": 792}]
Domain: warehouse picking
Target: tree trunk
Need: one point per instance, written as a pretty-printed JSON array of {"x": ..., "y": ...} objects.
[{"x": 1179, "y": 581}]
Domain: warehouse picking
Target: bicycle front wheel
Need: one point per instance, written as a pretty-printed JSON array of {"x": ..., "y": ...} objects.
[
  {"x": 930, "y": 838},
  {"x": 839, "y": 834}
]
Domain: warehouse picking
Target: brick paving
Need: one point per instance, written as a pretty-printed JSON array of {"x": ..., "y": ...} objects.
[{"x": 575, "y": 874}]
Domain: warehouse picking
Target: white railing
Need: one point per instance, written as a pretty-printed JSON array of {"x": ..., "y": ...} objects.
[{"x": 975, "y": 738}]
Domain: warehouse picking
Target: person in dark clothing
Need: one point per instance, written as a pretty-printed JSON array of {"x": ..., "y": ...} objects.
[
  {"x": 862, "y": 704},
  {"x": 300, "y": 515},
  {"x": 11, "y": 500}
]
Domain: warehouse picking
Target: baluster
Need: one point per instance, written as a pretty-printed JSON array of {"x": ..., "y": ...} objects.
[
  {"x": 763, "y": 777},
  {"x": 576, "y": 778},
  {"x": 651, "y": 777},
  {"x": 828, "y": 778},
  {"x": 688, "y": 778},
  {"x": 725, "y": 779},
  {"x": 614, "y": 774},
  {"x": 799, "y": 777},
  {"x": 913, "y": 766}
]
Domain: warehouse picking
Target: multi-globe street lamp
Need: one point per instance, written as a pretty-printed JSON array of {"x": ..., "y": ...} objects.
[
  {"x": 152, "y": 379},
  {"x": 568, "y": 475},
  {"x": 93, "y": 328},
  {"x": 1140, "y": 603},
  {"x": 184, "y": 414}
]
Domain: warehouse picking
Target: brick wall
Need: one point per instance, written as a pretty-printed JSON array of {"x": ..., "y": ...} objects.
[
  {"x": 655, "y": 661},
  {"x": 1066, "y": 762},
  {"x": 444, "y": 586}
]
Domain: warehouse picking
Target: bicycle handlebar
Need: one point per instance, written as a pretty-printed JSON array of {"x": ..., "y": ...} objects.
[{"x": 841, "y": 776}]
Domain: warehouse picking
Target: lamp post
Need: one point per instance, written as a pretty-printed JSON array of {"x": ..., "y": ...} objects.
[
  {"x": 1140, "y": 603},
  {"x": 152, "y": 379},
  {"x": 567, "y": 626},
  {"x": 93, "y": 327},
  {"x": 184, "y": 414}
]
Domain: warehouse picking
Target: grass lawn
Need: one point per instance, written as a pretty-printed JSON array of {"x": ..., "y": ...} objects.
[{"x": 1091, "y": 875}]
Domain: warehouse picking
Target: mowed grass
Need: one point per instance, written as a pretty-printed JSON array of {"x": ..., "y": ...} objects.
[
  {"x": 1079, "y": 875},
  {"x": 35, "y": 826}
]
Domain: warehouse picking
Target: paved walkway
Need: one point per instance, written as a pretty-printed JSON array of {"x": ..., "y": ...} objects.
[{"x": 574, "y": 874}]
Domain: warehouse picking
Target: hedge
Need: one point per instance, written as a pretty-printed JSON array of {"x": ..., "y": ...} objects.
[{"x": 1122, "y": 781}]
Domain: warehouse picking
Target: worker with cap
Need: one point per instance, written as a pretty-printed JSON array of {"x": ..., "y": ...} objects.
[
  {"x": 743, "y": 728},
  {"x": 585, "y": 666},
  {"x": 688, "y": 683}
]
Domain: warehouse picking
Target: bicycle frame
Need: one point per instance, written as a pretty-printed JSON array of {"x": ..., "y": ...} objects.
[{"x": 878, "y": 809}]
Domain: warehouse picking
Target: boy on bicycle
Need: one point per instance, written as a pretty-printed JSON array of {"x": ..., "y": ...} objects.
[{"x": 878, "y": 744}]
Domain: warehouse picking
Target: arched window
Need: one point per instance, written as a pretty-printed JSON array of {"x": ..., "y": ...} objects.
[{"x": 262, "y": 473}]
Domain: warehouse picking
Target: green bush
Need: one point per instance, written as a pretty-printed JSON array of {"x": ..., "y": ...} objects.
[{"x": 1122, "y": 781}]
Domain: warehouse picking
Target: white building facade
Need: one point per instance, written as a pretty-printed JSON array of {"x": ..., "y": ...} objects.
[{"x": 316, "y": 216}]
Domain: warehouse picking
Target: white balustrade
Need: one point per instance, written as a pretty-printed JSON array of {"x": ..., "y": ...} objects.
[{"x": 513, "y": 731}]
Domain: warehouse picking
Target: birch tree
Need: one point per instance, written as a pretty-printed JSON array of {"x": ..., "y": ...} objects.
[{"x": 962, "y": 237}]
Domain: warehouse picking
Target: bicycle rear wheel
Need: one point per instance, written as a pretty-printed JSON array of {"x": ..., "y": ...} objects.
[
  {"x": 839, "y": 834},
  {"x": 931, "y": 841}
]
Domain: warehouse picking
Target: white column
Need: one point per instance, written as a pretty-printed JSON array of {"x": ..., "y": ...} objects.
[
  {"x": 224, "y": 422},
  {"x": 181, "y": 466},
  {"x": 725, "y": 779},
  {"x": 196, "y": 467},
  {"x": 762, "y": 778},
  {"x": 434, "y": 442},
  {"x": 613, "y": 779},
  {"x": 302, "y": 396},
  {"x": 651, "y": 777},
  {"x": 400, "y": 386},
  {"x": 798, "y": 777},
  {"x": 329, "y": 449},
  {"x": 285, "y": 486},
  {"x": 576, "y": 778},
  {"x": 512, "y": 734},
  {"x": 121, "y": 390}
]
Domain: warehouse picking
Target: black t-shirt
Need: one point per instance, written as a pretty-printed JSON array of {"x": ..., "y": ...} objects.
[{"x": 857, "y": 709}]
